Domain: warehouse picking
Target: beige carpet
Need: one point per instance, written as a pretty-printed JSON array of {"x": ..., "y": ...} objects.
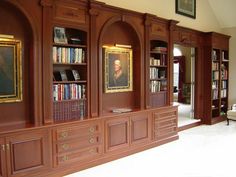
[{"x": 203, "y": 151}]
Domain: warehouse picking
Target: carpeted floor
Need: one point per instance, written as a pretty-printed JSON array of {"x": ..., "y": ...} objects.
[{"x": 203, "y": 151}]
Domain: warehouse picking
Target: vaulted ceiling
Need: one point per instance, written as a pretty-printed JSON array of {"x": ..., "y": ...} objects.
[{"x": 225, "y": 12}]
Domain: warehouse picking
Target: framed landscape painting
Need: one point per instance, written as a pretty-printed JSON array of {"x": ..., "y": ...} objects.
[{"x": 186, "y": 8}]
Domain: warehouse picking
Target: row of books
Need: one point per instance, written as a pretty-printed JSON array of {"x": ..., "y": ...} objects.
[
  {"x": 156, "y": 73},
  {"x": 215, "y": 94},
  {"x": 68, "y": 55},
  {"x": 155, "y": 62},
  {"x": 215, "y": 75},
  {"x": 214, "y": 55},
  {"x": 159, "y": 49},
  {"x": 66, "y": 75},
  {"x": 224, "y": 55},
  {"x": 224, "y": 73},
  {"x": 214, "y": 84},
  {"x": 215, "y": 66},
  {"x": 157, "y": 86},
  {"x": 223, "y": 93},
  {"x": 224, "y": 84},
  {"x": 72, "y": 110},
  {"x": 68, "y": 92}
]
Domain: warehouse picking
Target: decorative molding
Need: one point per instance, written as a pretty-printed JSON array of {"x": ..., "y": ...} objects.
[{"x": 46, "y": 3}]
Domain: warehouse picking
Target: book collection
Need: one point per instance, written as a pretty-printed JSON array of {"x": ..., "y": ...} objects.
[
  {"x": 214, "y": 55},
  {"x": 214, "y": 84},
  {"x": 157, "y": 86},
  {"x": 223, "y": 93},
  {"x": 160, "y": 49},
  {"x": 66, "y": 75},
  {"x": 72, "y": 110},
  {"x": 215, "y": 66},
  {"x": 68, "y": 92},
  {"x": 68, "y": 55},
  {"x": 224, "y": 72},
  {"x": 157, "y": 73},
  {"x": 215, "y": 75},
  {"x": 215, "y": 94}
]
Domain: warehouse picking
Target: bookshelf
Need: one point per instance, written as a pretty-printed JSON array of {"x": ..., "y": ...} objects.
[
  {"x": 69, "y": 56},
  {"x": 217, "y": 51},
  {"x": 158, "y": 73}
]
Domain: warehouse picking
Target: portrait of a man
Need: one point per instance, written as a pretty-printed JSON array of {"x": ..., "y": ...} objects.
[
  {"x": 6, "y": 70},
  {"x": 118, "y": 70},
  {"x": 10, "y": 70}
]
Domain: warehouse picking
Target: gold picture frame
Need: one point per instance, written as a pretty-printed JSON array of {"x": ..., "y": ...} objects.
[
  {"x": 10, "y": 70},
  {"x": 118, "y": 69},
  {"x": 186, "y": 8}
]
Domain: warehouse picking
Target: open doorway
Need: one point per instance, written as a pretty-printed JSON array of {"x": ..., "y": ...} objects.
[{"x": 183, "y": 84}]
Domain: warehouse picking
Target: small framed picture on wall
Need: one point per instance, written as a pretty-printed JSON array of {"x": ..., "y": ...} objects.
[
  {"x": 60, "y": 35},
  {"x": 186, "y": 8}
]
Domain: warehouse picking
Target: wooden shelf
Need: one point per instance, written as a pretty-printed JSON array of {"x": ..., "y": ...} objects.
[
  {"x": 163, "y": 79},
  {"x": 70, "y": 100},
  {"x": 159, "y": 66},
  {"x": 70, "y": 82},
  {"x": 70, "y": 64},
  {"x": 160, "y": 92},
  {"x": 70, "y": 45},
  {"x": 158, "y": 52}
]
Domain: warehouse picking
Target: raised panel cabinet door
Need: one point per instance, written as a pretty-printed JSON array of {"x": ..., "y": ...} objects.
[
  {"x": 2, "y": 158},
  {"x": 28, "y": 153},
  {"x": 117, "y": 133},
  {"x": 140, "y": 128}
]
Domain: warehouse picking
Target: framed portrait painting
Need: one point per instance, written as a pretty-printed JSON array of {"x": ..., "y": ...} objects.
[
  {"x": 118, "y": 72},
  {"x": 10, "y": 70},
  {"x": 186, "y": 8}
]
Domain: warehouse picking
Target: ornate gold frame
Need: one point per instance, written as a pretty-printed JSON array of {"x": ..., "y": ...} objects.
[
  {"x": 125, "y": 56},
  {"x": 10, "y": 49}
]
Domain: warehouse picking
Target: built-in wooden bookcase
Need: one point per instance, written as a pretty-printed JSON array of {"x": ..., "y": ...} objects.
[
  {"x": 158, "y": 72},
  {"x": 216, "y": 74},
  {"x": 69, "y": 55}
]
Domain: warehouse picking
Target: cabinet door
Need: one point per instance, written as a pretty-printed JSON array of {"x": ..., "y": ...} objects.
[
  {"x": 28, "y": 153},
  {"x": 2, "y": 158},
  {"x": 117, "y": 133},
  {"x": 140, "y": 128}
]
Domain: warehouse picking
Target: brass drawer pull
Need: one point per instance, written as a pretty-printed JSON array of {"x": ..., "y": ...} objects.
[
  {"x": 65, "y": 146},
  {"x": 91, "y": 140},
  {"x": 64, "y": 134},
  {"x": 91, "y": 129},
  {"x": 91, "y": 151},
  {"x": 65, "y": 158}
]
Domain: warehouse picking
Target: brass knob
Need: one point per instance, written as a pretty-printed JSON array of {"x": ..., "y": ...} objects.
[
  {"x": 65, "y": 158},
  {"x": 91, "y": 140},
  {"x": 65, "y": 146},
  {"x": 91, "y": 129},
  {"x": 91, "y": 151},
  {"x": 64, "y": 134}
]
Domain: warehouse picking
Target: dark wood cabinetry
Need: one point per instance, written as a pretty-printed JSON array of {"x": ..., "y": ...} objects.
[
  {"x": 66, "y": 121},
  {"x": 25, "y": 154},
  {"x": 216, "y": 77},
  {"x": 77, "y": 143}
]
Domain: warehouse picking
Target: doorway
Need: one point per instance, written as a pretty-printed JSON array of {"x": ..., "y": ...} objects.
[{"x": 184, "y": 84}]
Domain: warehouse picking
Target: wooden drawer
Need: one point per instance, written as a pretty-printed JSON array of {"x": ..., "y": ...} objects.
[
  {"x": 79, "y": 155},
  {"x": 73, "y": 132},
  {"x": 71, "y": 12},
  {"x": 165, "y": 123},
  {"x": 79, "y": 143}
]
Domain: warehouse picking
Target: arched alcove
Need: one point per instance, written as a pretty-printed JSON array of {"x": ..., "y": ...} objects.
[
  {"x": 16, "y": 24},
  {"x": 118, "y": 31}
]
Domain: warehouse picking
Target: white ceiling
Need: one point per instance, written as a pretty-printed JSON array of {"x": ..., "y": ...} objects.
[{"x": 225, "y": 12}]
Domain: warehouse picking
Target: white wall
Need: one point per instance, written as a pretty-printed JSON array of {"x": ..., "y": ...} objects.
[
  {"x": 205, "y": 18},
  {"x": 232, "y": 64}
]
